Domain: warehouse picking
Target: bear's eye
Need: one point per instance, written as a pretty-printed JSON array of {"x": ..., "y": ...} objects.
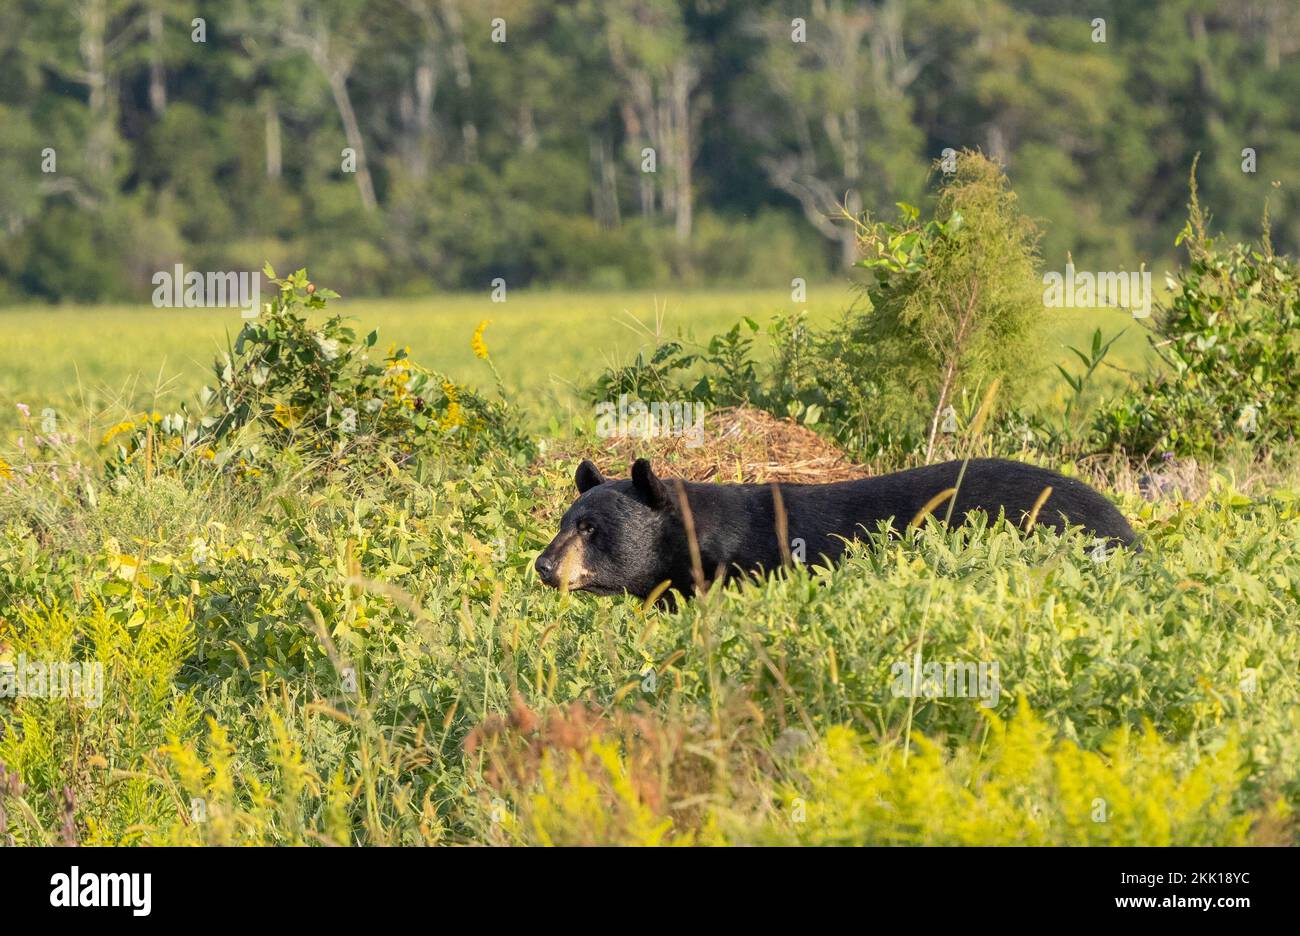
[{"x": 585, "y": 528}]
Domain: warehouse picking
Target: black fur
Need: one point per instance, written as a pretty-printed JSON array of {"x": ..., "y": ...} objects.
[{"x": 633, "y": 533}]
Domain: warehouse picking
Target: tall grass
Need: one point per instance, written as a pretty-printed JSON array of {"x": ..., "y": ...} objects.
[{"x": 321, "y": 667}]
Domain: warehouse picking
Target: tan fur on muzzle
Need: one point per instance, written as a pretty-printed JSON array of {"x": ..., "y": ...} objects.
[{"x": 572, "y": 568}]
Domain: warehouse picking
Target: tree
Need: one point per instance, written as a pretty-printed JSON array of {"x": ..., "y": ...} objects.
[
  {"x": 330, "y": 32},
  {"x": 88, "y": 49},
  {"x": 658, "y": 75},
  {"x": 841, "y": 136},
  {"x": 953, "y": 299}
]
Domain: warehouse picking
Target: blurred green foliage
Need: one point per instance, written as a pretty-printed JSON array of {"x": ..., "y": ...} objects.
[{"x": 129, "y": 146}]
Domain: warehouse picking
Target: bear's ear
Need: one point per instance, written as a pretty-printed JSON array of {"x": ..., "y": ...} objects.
[
  {"x": 647, "y": 485},
  {"x": 587, "y": 476}
]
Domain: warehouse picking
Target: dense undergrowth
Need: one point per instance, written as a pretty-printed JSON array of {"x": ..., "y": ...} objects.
[
  {"x": 318, "y": 666},
  {"x": 312, "y": 598}
]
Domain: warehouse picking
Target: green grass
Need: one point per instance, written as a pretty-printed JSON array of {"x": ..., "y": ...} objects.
[
  {"x": 367, "y": 657},
  {"x": 229, "y": 617},
  {"x": 104, "y": 360}
]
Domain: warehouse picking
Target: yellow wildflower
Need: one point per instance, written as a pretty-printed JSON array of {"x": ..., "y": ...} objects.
[
  {"x": 396, "y": 376},
  {"x": 5, "y": 470},
  {"x": 453, "y": 417},
  {"x": 476, "y": 343},
  {"x": 116, "y": 430},
  {"x": 287, "y": 416}
]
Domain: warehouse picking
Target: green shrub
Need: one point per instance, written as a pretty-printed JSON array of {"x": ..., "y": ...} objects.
[
  {"x": 419, "y": 581},
  {"x": 1229, "y": 338},
  {"x": 951, "y": 304},
  {"x": 289, "y": 384},
  {"x": 949, "y": 308},
  {"x": 722, "y": 372}
]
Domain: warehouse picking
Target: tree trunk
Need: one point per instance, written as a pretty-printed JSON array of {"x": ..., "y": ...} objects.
[
  {"x": 635, "y": 138},
  {"x": 426, "y": 87},
  {"x": 99, "y": 141},
  {"x": 683, "y": 79},
  {"x": 274, "y": 160},
  {"x": 460, "y": 66},
  {"x": 528, "y": 139},
  {"x": 157, "y": 74},
  {"x": 338, "y": 81},
  {"x": 609, "y": 181},
  {"x": 604, "y": 183}
]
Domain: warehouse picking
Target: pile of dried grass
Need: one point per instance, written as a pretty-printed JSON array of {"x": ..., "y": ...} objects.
[
  {"x": 741, "y": 444},
  {"x": 748, "y": 445}
]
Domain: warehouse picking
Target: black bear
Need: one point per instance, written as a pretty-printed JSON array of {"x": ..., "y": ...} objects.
[{"x": 632, "y": 535}]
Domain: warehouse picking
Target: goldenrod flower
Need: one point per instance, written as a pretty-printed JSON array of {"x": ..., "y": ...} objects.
[
  {"x": 396, "y": 376},
  {"x": 453, "y": 418},
  {"x": 287, "y": 416},
  {"x": 116, "y": 430},
  {"x": 476, "y": 343}
]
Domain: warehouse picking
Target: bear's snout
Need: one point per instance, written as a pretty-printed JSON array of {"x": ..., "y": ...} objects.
[
  {"x": 561, "y": 564},
  {"x": 546, "y": 568}
]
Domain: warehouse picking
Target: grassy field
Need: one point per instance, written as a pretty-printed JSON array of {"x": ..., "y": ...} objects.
[
  {"x": 114, "y": 359},
  {"x": 364, "y": 655}
]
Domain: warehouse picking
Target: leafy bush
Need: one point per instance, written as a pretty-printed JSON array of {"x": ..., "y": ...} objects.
[
  {"x": 951, "y": 304},
  {"x": 949, "y": 308},
  {"x": 1230, "y": 342},
  {"x": 364, "y": 656},
  {"x": 290, "y": 384},
  {"x": 722, "y": 372}
]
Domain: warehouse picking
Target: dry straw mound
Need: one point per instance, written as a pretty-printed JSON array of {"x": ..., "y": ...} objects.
[{"x": 740, "y": 445}]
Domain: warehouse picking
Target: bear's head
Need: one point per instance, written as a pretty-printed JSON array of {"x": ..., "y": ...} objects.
[{"x": 619, "y": 536}]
